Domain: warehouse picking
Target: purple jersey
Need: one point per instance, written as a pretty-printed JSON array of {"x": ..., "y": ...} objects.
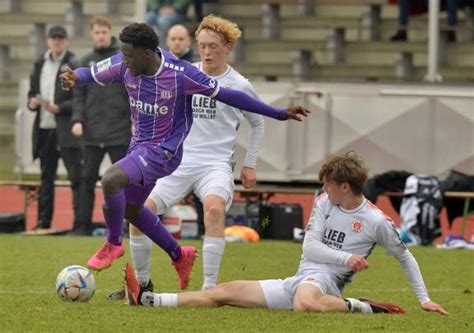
[{"x": 160, "y": 104}]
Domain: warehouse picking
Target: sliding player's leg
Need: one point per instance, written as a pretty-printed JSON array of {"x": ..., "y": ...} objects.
[
  {"x": 248, "y": 294},
  {"x": 319, "y": 293}
]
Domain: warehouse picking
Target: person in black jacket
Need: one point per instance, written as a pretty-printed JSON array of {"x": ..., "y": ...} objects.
[
  {"x": 101, "y": 117},
  {"x": 52, "y": 136},
  {"x": 179, "y": 43}
]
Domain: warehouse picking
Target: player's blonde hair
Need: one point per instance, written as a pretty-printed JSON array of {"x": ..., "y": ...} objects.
[
  {"x": 348, "y": 168},
  {"x": 227, "y": 29}
]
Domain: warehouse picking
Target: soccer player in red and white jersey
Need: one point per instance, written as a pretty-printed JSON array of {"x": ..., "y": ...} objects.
[{"x": 342, "y": 231}]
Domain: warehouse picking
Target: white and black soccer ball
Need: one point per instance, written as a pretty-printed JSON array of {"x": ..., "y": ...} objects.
[{"x": 75, "y": 284}]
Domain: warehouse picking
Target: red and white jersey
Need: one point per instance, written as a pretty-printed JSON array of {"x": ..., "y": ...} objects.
[
  {"x": 213, "y": 136},
  {"x": 355, "y": 231}
]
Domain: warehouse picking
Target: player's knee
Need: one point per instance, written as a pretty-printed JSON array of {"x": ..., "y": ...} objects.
[
  {"x": 113, "y": 180},
  {"x": 221, "y": 294},
  {"x": 214, "y": 211},
  {"x": 308, "y": 305}
]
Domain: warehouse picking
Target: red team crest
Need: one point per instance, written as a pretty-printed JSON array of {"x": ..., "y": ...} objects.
[{"x": 357, "y": 226}]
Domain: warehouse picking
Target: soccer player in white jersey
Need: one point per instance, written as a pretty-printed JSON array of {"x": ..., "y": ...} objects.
[
  {"x": 207, "y": 162},
  {"x": 343, "y": 229}
]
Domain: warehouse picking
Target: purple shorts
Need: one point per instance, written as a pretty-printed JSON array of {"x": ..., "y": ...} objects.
[{"x": 144, "y": 164}]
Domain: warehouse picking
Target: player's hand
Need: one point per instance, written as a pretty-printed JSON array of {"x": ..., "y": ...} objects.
[
  {"x": 33, "y": 103},
  {"x": 295, "y": 113},
  {"x": 357, "y": 263},
  {"x": 68, "y": 78},
  {"x": 52, "y": 107},
  {"x": 433, "y": 307},
  {"x": 248, "y": 177},
  {"x": 77, "y": 129}
]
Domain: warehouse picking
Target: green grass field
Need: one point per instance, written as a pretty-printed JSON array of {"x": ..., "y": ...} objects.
[{"x": 28, "y": 302}]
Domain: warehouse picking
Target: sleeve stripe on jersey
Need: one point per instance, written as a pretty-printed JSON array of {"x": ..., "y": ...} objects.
[
  {"x": 216, "y": 91},
  {"x": 95, "y": 78}
]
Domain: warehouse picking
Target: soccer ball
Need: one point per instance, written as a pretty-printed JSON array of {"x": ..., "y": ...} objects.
[{"x": 75, "y": 283}]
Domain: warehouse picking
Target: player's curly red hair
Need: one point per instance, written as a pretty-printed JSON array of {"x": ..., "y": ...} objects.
[{"x": 227, "y": 29}]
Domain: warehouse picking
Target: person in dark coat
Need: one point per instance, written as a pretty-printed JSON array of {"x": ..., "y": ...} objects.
[
  {"x": 52, "y": 136},
  {"x": 179, "y": 43},
  {"x": 101, "y": 117}
]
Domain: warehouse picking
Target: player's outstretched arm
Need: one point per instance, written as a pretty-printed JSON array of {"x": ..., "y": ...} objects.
[
  {"x": 413, "y": 273},
  {"x": 245, "y": 102},
  {"x": 433, "y": 307}
]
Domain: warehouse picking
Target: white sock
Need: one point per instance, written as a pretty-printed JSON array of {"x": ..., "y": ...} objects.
[
  {"x": 151, "y": 299},
  {"x": 140, "y": 250},
  {"x": 212, "y": 251},
  {"x": 358, "y": 306}
]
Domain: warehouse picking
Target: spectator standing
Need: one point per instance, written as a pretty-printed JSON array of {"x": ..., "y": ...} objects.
[
  {"x": 52, "y": 136},
  {"x": 101, "y": 117},
  {"x": 179, "y": 43}
]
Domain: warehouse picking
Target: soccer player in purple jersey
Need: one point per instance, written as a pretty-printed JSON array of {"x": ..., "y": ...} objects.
[{"x": 160, "y": 89}]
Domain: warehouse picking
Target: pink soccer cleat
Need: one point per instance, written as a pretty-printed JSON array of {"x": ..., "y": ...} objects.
[
  {"x": 383, "y": 307},
  {"x": 131, "y": 285},
  {"x": 184, "y": 266},
  {"x": 104, "y": 256}
]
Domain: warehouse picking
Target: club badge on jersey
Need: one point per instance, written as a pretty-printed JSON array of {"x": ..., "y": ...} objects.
[{"x": 357, "y": 226}]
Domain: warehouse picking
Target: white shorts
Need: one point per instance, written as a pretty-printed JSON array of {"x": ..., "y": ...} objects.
[
  {"x": 279, "y": 294},
  {"x": 215, "y": 179}
]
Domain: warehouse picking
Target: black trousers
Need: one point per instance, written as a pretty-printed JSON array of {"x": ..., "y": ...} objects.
[
  {"x": 93, "y": 156},
  {"x": 49, "y": 155}
]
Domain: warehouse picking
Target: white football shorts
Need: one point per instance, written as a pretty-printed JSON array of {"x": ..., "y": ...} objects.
[
  {"x": 280, "y": 294},
  {"x": 215, "y": 179}
]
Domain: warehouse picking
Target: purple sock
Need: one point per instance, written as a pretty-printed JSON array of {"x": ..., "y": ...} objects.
[
  {"x": 148, "y": 223},
  {"x": 114, "y": 212}
]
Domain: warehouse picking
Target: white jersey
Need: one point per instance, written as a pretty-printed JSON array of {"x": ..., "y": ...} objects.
[
  {"x": 213, "y": 134},
  {"x": 346, "y": 232}
]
